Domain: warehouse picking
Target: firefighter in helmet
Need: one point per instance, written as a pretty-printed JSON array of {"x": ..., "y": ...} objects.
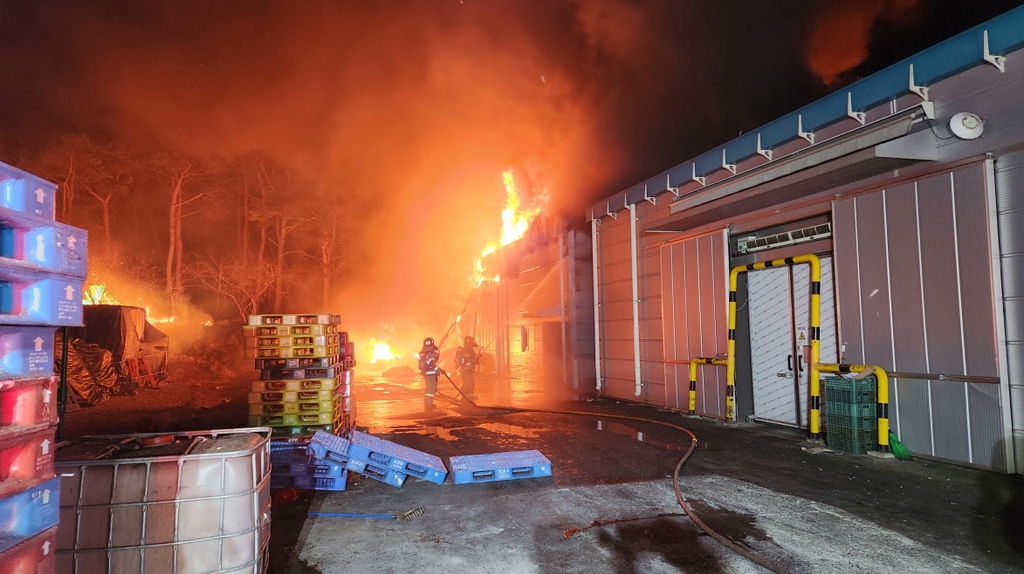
[
  {"x": 428, "y": 356},
  {"x": 467, "y": 357}
]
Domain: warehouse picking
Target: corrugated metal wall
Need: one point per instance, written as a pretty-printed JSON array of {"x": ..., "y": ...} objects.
[
  {"x": 1009, "y": 182},
  {"x": 914, "y": 283},
  {"x": 695, "y": 307}
]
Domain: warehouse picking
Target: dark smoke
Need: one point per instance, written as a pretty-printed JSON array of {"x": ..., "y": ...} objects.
[{"x": 410, "y": 110}]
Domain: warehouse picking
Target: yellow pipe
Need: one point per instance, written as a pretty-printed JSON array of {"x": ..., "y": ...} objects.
[
  {"x": 692, "y": 404},
  {"x": 881, "y": 396},
  {"x": 730, "y": 373}
]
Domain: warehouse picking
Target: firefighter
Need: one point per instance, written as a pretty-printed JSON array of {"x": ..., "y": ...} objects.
[
  {"x": 428, "y": 356},
  {"x": 467, "y": 359}
]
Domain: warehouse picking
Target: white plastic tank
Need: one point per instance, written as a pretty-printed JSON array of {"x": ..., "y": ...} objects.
[{"x": 187, "y": 503}]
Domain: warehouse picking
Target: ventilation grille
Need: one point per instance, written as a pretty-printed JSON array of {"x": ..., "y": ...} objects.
[{"x": 755, "y": 244}]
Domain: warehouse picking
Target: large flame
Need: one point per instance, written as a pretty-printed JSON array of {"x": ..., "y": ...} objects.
[
  {"x": 381, "y": 351},
  {"x": 515, "y": 222}
]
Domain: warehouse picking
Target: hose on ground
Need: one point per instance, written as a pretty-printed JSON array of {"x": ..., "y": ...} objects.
[{"x": 675, "y": 473}]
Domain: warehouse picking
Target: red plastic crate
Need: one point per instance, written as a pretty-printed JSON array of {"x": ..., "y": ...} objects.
[
  {"x": 26, "y": 460},
  {"x": 33, "y": 556},
  {"x": 27, "y": 405}
]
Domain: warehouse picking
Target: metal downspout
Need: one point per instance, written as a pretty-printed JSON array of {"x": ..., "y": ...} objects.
[
  {"x": 597, "y": 305},
  {"x": 636, "y": 299},
  {"x": 561, "y": 297}
]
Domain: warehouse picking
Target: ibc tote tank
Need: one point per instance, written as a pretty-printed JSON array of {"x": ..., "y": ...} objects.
[{"x": 187, "y": 503}]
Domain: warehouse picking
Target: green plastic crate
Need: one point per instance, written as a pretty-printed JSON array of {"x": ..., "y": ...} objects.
[{"x": 850, "y": 420}]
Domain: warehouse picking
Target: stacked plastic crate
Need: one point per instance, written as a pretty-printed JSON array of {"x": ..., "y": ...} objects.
[
  {"x": 42, "y": 269},
  {"x": 305, "y": 386},
  {"x": 850, "y": 418}
]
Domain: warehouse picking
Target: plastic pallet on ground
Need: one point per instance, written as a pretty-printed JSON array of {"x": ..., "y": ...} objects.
[
  {"x": 296, "y": 431},
  {"x": 323, "y": 442},
  {"x": 377, "y": 472},
  {"x": 34, "y": 555},
  {"x": 256, "y": 320},
  {"x": 397, "y": 457},
  {"x": 290, "y": 408},
  {"x": 289, "y": 330},
  {"x": 303, "y": 373},
  {"x": 28, "y": 512},
  {"x": 499, "y": 466},
  {"x": 309, "y": 482},
  {"x": 292, "y": 352},
  {"x": 294, "y": 385},
  {"x": 290, "y": 341},
  {"x": 273, "y": 397}
]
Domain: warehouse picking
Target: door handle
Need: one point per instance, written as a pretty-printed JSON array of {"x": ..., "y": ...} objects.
[
  {"x": 789, "y": 362},
  {"x": 800, "y": 362}
]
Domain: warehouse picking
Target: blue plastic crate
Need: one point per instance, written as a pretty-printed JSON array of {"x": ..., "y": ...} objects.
[
  {"x": 36, "y": 298},
  {"x": 26, "y": 193},
  {"x": 397, "y": 457},
  {"x": 26, "y": 352},
  {"x": 53, "y": 247},
  {"x": 29, "y": 512},
  {"x": 499, "y": 466},
  {"x": 376, "y": 472}
]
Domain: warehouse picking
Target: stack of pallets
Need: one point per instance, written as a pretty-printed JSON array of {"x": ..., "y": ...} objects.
[
  {"x": 42, "y": 269},
  {"x": 305, "y": 384}
]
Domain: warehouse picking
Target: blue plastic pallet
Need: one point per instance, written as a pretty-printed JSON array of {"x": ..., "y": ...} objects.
[
  {"x": 36, "y": 298},
  {"x": 376, "y": 472},
  {"x": 499, "y": 466},
  {"x": 397, "y": 457},
  {"x": 309, "y": 482},
  {"x": 29, "y": 512},
  {"x": 51, "y": 247}
]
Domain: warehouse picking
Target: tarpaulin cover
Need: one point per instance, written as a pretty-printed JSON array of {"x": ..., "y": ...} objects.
[
  {"x": 91, "y": 374},
  {"x": 125, "y": 332}
]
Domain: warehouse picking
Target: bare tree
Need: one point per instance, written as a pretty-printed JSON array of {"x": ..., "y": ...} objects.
[
  {"x": 178, "y": 172},
  {"x": 233, "y": 279}
]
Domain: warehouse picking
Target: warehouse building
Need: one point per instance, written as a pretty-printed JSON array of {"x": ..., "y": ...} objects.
[{"x": 908, "y": 185}]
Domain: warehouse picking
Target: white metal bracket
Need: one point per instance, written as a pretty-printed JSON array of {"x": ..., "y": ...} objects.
[
  {"x": 729, "y": 166},
  {"x": 859, "y": 116},
  {"x": 997, "y": 61},
  {"x": 919, "y": 90},
  {"x": 767, "y": 153},
  {"x": 652, "y": 199},
  {"x": 699, "y": 179},
  {"x": 608, "y": 209},
  {"x": 668, "y": 186},
  {"x": 809, "y": 136},
  {"x": 929, "y": 109}
]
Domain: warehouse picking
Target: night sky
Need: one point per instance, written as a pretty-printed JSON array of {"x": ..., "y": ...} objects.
[{"x": 410, "y": 110}]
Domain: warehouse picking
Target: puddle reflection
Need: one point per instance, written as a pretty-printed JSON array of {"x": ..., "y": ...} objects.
[{"x": 639, "y": 436}]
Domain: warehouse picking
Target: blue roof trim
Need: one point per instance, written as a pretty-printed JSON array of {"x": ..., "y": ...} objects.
[{"x": 949, "y": 57}]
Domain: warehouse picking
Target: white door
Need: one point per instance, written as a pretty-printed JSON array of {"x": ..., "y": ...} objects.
[{"x": 779, "y": 300}]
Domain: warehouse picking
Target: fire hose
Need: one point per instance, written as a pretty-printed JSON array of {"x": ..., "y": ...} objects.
[{"x": 675, "y": 474}]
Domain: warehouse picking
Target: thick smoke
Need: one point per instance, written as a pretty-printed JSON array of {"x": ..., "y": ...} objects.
[{"x": 410, "y": 110}]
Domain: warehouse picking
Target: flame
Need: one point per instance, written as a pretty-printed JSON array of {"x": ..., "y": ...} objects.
[
  {"x": 99, "y": 294},
  {"x": 515, "y": 222},
  {"x": 381, "y": 351}
]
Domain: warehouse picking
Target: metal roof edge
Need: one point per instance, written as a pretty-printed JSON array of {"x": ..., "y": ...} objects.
[{"x": 985, "y": 44}]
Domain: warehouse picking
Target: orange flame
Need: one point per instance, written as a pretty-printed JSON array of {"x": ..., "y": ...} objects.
[
  {"x": 515, "y": 222},
  {"x": 381, "y": 351},
  {"x": 99, "y": 294}
]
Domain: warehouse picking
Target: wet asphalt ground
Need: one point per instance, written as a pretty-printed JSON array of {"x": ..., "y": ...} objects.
[{"x": 610, "y": 505}]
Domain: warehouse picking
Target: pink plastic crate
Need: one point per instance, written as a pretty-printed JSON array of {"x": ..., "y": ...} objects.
[
  {"x": 26, "y": 460},
  {"x": 33, "y": 556},
  {"x": 27, "y": 405}
]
